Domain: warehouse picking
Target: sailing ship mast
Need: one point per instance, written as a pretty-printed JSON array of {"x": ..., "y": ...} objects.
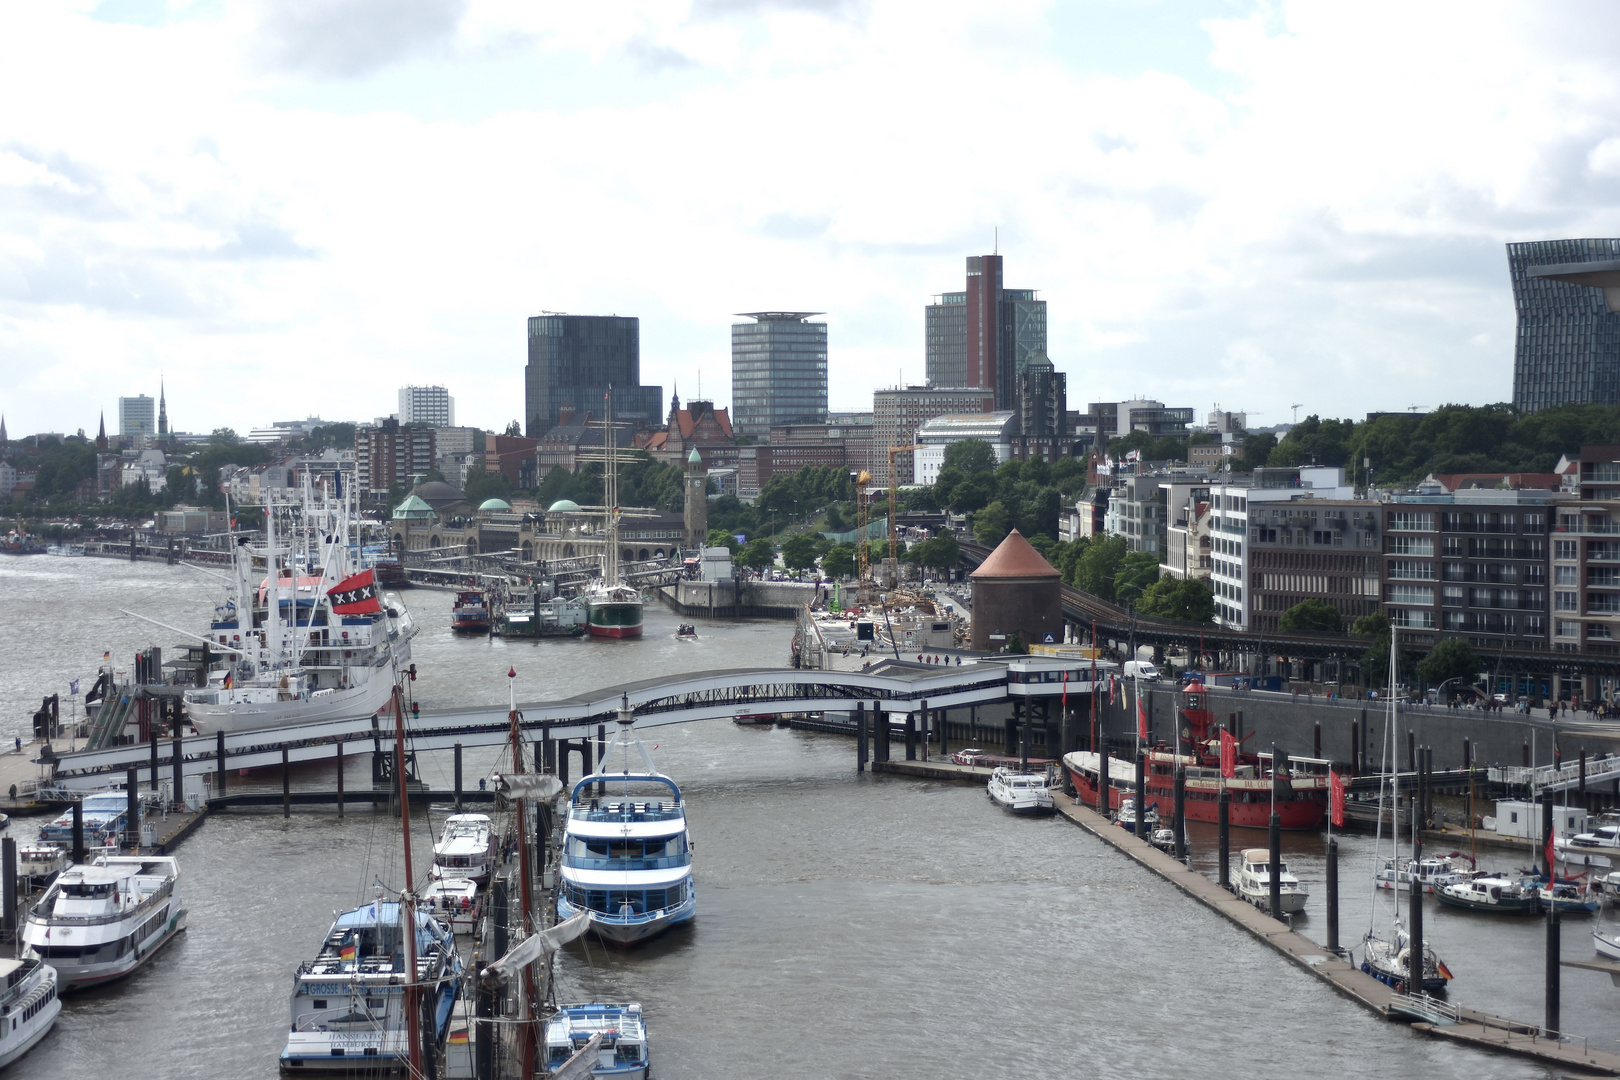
[
  {"x": 407, "y": 899},
  {"x": 610, "y": 496}
]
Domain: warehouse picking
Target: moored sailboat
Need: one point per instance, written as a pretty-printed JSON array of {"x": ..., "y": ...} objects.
[{"x": 612, "y": 607}]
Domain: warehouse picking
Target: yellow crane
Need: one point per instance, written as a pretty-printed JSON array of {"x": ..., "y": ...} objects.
[
  {"x": 894, "y": 505},
  {"x": 862, "y": 515}
]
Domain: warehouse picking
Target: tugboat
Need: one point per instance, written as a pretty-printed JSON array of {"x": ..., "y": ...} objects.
[{"x": 470, "y": 613}]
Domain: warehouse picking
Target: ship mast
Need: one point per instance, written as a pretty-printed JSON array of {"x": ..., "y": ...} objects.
[
  {"x": 530, "y": 986},
  {"x": 407, "y": 900},
  {"x": 610, "y": 496}
]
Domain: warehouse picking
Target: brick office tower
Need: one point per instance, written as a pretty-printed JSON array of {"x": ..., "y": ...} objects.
[{"x": 1016, "y": 591}]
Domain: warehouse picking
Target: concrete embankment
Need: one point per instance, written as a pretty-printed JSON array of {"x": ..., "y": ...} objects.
[{"x": 738, "y": 599}]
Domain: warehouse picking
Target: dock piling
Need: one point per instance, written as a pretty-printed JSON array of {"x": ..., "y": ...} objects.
[
  {"x": 880, "y": 732},
  {"x": 1316, "y": 739},
  {"x": 1355, "y": 746},
  {"x": 152, "y": 730},
  {"x": 927, "y": 722},
  {"x": 219, "y": 761},
  {"x": 1554, "y": 955},
  {"x": 484, "y": 1039},
  {"x": 1141, "y": 792},
  {"x": 8, "y": 887},
  {"x": 860, "y": 737},
  {"x": 1332, "y": 897},
  {"x": 911, "y": 736},
  {"x": 78, "y": 830},
  {"x": 132, "y": 809},
  {"x": 457, "y": 749},
  {"x": 339, "y": 778},
  {"x": 286, "y": 784},
  {"x": 1274, "y": 878},
  {"x": 1181, "y": 808},
  {"x": 1414, "y": 966},
  {"x": 1223, "y": 809},
  {"x": 943, "y": 724},
  {"x": 179, "y": 758}
]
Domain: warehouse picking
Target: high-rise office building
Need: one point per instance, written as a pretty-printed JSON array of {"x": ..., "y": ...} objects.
[
  {"x": 1043, "y": 400},
  {"x": 1567, "y": 349},
  {"x": 137, "y": 417},
  {"x": 573, "y": 359},
  {"x": 899, "y": 411},
  {"x": 985, "y": 335},
  {"x": 430, "y": 405},
  {"x": 778, "y": 371}
]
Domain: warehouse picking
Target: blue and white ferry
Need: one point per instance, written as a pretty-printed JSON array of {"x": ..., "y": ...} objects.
[
  {"x": 621, "y": 1054},
  {"x": 627, "y": 856}
]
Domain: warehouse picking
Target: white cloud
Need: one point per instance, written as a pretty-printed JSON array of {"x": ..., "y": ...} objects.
[{"x": 290, "y": 214}]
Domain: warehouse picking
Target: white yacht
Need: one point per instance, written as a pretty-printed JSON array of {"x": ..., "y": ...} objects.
[
  {"x": 627, "y": 858},
  {"x": 466, "y": 848},
  {"x": 1254, "y": 883},
  {"x": 621, "y": 1052},
  {"x": 1431, "y": 872},
  {"x": 348, "y": 1004},
  {"x": 100, "y": 921},
  {"x": 28, "y": 1006},
  {"x": 1022, "y": 793},
  {"x": 301, "y": 647}
]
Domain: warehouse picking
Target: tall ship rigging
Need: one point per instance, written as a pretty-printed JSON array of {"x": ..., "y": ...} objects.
[
  {"x": 612, "y": 608},
  {"x": 316, "y": 639}
]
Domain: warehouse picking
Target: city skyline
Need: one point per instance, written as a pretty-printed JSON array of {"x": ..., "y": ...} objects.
[{"x": 1219, "y": 201}]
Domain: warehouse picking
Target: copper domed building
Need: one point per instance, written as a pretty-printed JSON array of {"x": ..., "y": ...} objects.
[{"x": 1016, "y": 591}]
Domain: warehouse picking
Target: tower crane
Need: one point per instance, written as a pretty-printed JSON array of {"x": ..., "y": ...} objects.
[
  {"x": 894, "y": 506},
  {"x": 863, "y": 514}
]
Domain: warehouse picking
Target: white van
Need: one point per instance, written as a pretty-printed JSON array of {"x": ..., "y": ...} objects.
[{"x": 1141, "y": 669}]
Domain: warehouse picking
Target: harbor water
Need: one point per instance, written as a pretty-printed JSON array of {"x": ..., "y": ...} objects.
[{"x": 848, "y": 925}]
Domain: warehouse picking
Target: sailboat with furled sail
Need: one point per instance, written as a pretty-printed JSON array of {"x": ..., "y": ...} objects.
[{"x": 612, "y": 608}]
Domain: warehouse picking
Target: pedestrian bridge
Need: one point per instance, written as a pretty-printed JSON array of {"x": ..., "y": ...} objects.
[
  {"x": 1572, "y": 774},
  {"x": 889, "y": 686}
]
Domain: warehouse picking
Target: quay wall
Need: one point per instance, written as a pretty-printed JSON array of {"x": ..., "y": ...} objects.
[{"x": 738, "y": 599}]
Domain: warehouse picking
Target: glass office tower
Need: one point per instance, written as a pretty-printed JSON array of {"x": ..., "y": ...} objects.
[
  {"x": 573, "y": 359},
  {"x": 1567, "y": 348},
  {"x": 778, "y": 371}
]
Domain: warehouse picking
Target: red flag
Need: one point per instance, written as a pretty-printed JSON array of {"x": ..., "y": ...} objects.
[
  {"x": 1113, "y": 685},
  {"x": 1141, "y": 717},
  {"x": 1065, "y": 691},
  {"x": 1548, "y": 851},
  {"x": 1336, "y": 798},
  {"x": 1228, "y": 754},
  {"x": 355, "y": 595}
]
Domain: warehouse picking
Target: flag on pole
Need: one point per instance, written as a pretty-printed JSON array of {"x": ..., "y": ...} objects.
[
  {"x": 1336, "y": 798},
  {"x": 73, "y": 688},
  {"x": 1113, "y": 689},
  {"x": 1065, "y": 691},
  {"x": 1228, "y": 754},
  {"x": 355, "y": 595},
  {"x": 1141, "y": 716},
  {"x": 1548, "y": 851}
]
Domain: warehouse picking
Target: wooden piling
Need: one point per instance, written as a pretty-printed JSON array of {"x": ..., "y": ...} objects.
[
  {"x": 1333, "y": 897},
  {"x": 219, "y": 761},
  {"x": 340, "y": 777},
  {"x": 457, "y": 748},
  {"x": 286, "y": 784}
]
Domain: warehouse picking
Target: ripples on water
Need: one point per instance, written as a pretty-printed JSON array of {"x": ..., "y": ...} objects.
[{"x": 849, "y": 926}]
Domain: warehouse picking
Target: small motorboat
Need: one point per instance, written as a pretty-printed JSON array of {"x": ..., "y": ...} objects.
[
  {"x": 1164, "y": 840},
  {"x": 686, "y": 632},
  {"x": 1495, "y": 895},
  {"x": 1606, "y": 940},
  {"x": 1568, "y": 898},
  {"x": 1125, "y": 818},
  {"x": 1254, "y": 883},
  {"x": 1022, "y": 793}
]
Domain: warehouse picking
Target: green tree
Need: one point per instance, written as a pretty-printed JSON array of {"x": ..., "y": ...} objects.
[
  {"x": 799, "y": 552},
  {"x": 224, "y": 436},
  {"x": 992, "y": 524},
  {"x": 1311, "y": 616},
  {"x": 1188, "y": 599},
  {"x": 1098, "y": 563},
  {"x": 759, "y": 554},
  {"x": 1371, "y": 626},
  {"x": 839, "y": 562},
  {"x": 1453, "y": 658},
  {"x": 1137, "y": 570},
  {"x": 723, "y": 538},
  {"x": 971, "y": 456},
  {"x": 972, "y": 494},
  {"x": 835, "y": 519},
  {"x": 487, "y": 485}
]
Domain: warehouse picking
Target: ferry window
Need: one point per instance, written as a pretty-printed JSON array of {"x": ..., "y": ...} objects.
[
  {"x": 320, "y": 1003},
  {"x": 374, "y": 1004}
]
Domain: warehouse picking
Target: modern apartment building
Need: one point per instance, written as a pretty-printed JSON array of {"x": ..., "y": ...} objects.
[
  {"x": 389, "y": 454},
  {"x": 574, "y": 359},
  {"x": 1473, "y": 563},
  {"x": 1312, "y": 549},
  {"x": 898, "y": 412},
  {"x": 430, "y": 405},
  {"x": 1567, "y": 346},
  {"x": 778, "y": 371},
  {"x": 1043, "y": 399}
]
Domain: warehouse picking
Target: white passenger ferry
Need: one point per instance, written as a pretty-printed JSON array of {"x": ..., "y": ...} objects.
[
  {"x": 622, "y": 1051},
  {"x": 28, "y": 1006},
  {"x": 627, "y": 857},
  {"x": 466, "y": 848},
  {"x": 100, "y": 921}
]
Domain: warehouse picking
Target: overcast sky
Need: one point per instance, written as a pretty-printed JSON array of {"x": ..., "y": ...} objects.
[{"x": 294, "y": 207}]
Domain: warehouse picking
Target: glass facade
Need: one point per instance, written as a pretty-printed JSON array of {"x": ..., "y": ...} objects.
[
  {"x": 947, "y": 340},
  {"x": 137, "y": 416},
  {"x": 573, "y": 359},
  {"x": 778, "y": 372},
  {"x": 1567, "y": 347},
  {"x": 985, "y": 335}
]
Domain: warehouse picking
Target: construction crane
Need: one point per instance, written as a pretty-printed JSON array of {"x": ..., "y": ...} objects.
[
  {"x": 863, "y": 514},
  {"x": 894, "y": 506},
  {"x": 1296, "y": 407}
]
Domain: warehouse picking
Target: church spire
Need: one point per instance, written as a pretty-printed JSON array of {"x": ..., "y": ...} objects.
[
  {"x": 3, "y": 428},
  {"x": 163, "y": 410},
  {"x": 101, "y": 436}
]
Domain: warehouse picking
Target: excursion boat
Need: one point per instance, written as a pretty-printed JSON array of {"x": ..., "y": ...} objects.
[
  {"x": 1606, "y": 941},
  {"x": 627, "y": 856},
  {"x": 301, "y": 647},
  {"x": 1390, "y": 962},
  {"x": 1568, "y": 898},
  {"x": 1022, "y": 793},
  {"x": 348, "y": 1003},
  {"x": 104, "y": 816},
  {"x": 1496, "y": 895},
  {"x": 1126, "y": 817},
  {"x": 466, "y": 848},
  {"x": 613, "y": 610},
  {"x": 622, "y": 1052},
  {"x": 1254, "y": 883},
  {"x": 100, "y": 921},
  {"x": 40, "y": 861},
  {"x": 454, "y": 901},
  {"x": 1431, "y": 872},
  {"x": 1300, "y": 799},
  {"x": 530, "y": 616},
  {"x": 30, "y": 1002},
  {"x": 470, "y": 613}
]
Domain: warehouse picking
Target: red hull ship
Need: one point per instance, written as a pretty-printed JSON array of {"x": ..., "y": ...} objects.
[{"x": 1302, "y": 797}]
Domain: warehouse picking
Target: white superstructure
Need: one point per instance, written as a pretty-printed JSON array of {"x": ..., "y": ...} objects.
[{"x": 100, "y": 921}]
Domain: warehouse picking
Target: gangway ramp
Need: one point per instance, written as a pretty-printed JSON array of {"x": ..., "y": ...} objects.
[{"x": 1560, "y": 777}]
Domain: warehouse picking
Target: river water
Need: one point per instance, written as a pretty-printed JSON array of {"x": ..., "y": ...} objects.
[{"x": 848, "y": 926}]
